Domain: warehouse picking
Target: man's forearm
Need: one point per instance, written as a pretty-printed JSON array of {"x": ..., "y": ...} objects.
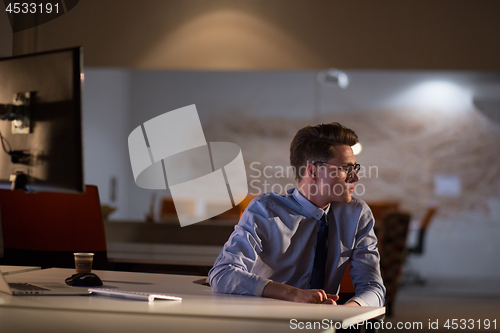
[{"x": 279, "y": 291}]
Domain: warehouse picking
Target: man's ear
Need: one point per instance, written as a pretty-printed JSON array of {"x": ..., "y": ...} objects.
[{"x": 312, "y": 171}]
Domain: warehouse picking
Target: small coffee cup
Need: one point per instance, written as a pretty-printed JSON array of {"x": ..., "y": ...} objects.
[{"x": 83, "y": 262}]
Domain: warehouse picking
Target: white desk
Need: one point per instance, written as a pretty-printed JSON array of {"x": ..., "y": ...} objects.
[
  {"x": 8, "y": 270},
  {"x": 200, "y": 309}
]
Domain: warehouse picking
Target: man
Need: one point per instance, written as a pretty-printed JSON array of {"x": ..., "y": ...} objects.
[{"x": 297, "y": 247}]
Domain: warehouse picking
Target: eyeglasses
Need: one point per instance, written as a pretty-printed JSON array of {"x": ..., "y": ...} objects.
[{"x": 348, "y": 169}]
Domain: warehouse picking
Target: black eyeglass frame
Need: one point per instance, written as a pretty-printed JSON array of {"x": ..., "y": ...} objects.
[{"x": 347, "y": 169}]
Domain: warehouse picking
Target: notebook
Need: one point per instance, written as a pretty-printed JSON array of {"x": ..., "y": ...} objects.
[
  {"x": 39, "y": 289},
  {"x": 135, "y": 295}
]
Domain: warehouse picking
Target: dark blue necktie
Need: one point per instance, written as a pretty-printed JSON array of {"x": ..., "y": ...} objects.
[{"x": 318, "y": 272}]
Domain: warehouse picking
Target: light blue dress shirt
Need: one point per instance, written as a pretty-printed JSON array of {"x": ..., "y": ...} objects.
[{"x": 275, "y": 240}]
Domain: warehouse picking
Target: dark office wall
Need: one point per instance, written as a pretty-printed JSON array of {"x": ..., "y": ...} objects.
[
  {"x": 278, "y": 34},
  {"x": 5, "y": 36}
]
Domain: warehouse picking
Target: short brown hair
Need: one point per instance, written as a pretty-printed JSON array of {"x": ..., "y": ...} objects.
[{"x": 316, "y": 143}]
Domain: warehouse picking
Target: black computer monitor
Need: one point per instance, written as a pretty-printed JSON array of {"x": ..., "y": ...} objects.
[{"x": 41, "y": 127}]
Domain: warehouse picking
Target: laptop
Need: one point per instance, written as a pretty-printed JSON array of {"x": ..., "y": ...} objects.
[{"x": 39, "y": 289}]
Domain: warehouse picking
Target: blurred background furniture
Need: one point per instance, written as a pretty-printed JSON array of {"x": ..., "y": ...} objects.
[
  {"x": 392, "y": 248},
  {"x": 168, "y": 212},
  {"x": 391, "y": 228},
  {"x": 166, "y": 247},
  {"x": 346, "y": 287},
  {"x": 411, "y": 276},
  {"x": 45, "y": 229},
  {"x": 424, "y": 224}
]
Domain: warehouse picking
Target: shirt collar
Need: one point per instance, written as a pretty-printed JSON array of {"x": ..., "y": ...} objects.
[{"x": 308, "y": 206}]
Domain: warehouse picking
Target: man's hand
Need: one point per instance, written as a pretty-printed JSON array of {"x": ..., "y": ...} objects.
[
  {"x": 317, "y": 296},
  {"x": 288, "y": 293}
]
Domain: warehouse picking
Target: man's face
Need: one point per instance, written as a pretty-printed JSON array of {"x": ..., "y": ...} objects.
[{"x": 333, "y": 182}]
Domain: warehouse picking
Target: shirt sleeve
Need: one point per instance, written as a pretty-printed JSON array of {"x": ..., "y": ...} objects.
[
  {"x": 365, "y": 263},
  {"x": 231, "y": 272}
]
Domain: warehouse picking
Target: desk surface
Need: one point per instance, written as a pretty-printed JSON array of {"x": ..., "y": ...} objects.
[
  {"x": 199, "y": 304},
  {"x": 9, "y": 270},
  {"x": 29, "y": 320}
]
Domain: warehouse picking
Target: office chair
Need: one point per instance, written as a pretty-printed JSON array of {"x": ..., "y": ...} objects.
[
  {"x": 411, "y": 276},
  {"x": 426, "y": 221},
  {"x": 346, "y": 292},
  {"x": 392, "y": 250},
  {"x": 45, "y": 229},
  {"x": 392, "y": 234}
]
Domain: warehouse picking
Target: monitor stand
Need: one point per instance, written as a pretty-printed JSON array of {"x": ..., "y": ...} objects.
[{"x": 19, "y": 181}]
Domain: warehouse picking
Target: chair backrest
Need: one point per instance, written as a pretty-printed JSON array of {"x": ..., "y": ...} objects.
[
  {"x": 346, "y": 290},
  {"x": 424, "y": 224},
  {"x": 392, "y": 248},
  {"x": 346, "y": 285},
  {"x": 44, "y": 225},
  {"x": 429, "y": 214},
  {"x": 380, "y": 209},
  {"x": 391, "y": 245}
]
